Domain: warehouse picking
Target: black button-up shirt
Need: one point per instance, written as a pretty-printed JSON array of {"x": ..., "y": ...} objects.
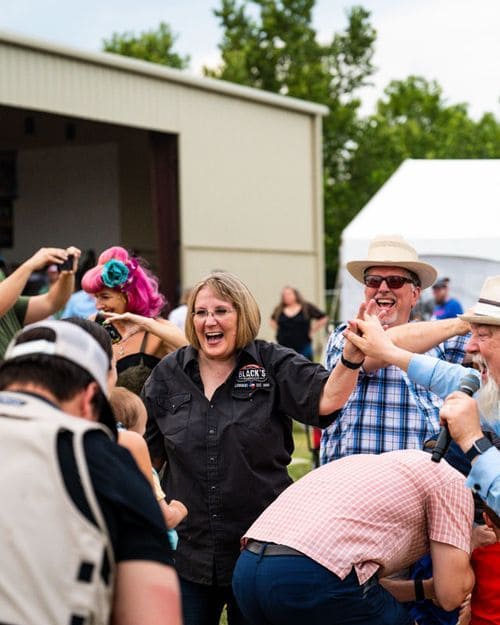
[{"x": 227, "y": 457}]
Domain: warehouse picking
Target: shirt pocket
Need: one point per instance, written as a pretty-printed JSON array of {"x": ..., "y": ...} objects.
[
  {"x": 253, "y": 410},
  {"x": 175, "y": 411}
]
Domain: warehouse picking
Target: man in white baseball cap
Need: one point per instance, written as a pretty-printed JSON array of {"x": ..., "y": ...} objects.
[{"x": 86, "y": 540}]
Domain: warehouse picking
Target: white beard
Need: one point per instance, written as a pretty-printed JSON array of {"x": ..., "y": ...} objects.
[{"x": 488, "y": 398}]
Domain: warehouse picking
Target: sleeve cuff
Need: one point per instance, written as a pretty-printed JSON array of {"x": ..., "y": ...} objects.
[{"x": 485, "y": 470}]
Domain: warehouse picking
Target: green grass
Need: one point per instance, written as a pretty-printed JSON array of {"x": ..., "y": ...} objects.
[{"x": 302, "y": 459}]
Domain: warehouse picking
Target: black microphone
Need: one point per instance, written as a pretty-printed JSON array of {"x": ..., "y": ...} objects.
[{"x": 468, "y": 384}]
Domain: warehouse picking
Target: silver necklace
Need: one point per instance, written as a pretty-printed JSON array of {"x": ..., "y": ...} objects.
[{"x": 124, "y": 339}]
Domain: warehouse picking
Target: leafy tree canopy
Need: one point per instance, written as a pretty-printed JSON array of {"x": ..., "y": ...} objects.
[
  {"x": 155, "y": 46},
  {"x": 271, "y": 45},
  {"x": 412, "y": 120}
]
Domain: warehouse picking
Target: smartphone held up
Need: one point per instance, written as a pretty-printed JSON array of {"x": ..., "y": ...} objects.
[
  {"x": 109, "y": 327},
  {"x": 66, "y": 265}
]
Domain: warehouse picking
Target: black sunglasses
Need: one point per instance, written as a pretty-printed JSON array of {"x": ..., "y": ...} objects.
[{"x": 393, "y": 282}]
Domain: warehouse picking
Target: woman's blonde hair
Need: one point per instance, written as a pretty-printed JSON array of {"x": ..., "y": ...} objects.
[{"x": 230, "y": 288}]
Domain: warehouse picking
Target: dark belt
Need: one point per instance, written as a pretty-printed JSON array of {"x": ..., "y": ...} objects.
[{"x": 271, "y": 549}]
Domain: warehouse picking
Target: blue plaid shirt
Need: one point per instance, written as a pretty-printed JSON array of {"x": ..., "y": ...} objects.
[{"x": 386, "y": 411}]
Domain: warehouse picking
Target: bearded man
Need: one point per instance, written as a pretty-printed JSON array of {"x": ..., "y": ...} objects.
[{"x": 472, "y": 421}]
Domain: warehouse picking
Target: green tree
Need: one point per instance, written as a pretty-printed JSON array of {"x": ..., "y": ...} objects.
[
  {"x": 151, "y": 45},
  {"x": 271, "y": 45},
  {"x": 412, "y": 120}
]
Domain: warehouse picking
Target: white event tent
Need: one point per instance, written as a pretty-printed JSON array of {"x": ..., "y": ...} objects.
[{"x": 449, "y": 210}]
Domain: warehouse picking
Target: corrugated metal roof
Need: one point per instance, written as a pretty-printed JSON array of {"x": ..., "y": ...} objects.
[{"x": 143, "y": 68}]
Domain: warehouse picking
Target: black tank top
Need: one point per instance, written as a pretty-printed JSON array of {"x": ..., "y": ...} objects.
[{"x": 134, "y": 369}]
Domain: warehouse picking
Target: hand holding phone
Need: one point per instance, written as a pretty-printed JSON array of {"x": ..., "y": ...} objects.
[
  {"x": 115, "y": 336},
  {"x": 67, "y": 265}
]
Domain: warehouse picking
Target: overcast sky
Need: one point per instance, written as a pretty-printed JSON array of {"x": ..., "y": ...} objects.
[{"x": 455, "y": 42}]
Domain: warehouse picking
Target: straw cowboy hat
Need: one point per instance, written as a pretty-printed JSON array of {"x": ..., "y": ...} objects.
[
  {"x": 487, "y": 309},
  {"x": 391, "y": 250}
]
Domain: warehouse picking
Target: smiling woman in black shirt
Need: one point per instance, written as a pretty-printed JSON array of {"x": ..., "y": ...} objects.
[
  {"x": 296, "y": 320},
  {"x": 220, "y": 415}
]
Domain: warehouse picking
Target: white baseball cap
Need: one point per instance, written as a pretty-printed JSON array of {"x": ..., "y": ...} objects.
[{"x": 74, "y": 344}]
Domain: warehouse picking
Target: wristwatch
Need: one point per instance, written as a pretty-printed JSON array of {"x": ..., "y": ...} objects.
[{"x": 478, "y": 447}]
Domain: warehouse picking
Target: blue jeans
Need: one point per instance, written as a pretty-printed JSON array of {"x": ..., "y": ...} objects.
[
  {"x": 307, "y": 351},
  {"x": 202, "y": 605},
  {"x": 295, "y": 590}
]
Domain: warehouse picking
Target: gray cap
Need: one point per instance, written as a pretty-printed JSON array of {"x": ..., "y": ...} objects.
[
  {"x": 73, "y": 344},
  {"x": 441, "y": 282}
]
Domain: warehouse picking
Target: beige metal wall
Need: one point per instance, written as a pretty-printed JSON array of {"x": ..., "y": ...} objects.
[
  {"x": 253, "y": 209},
  {"x": 83, "y": 192},
  {"x": 249, "y": 162}
]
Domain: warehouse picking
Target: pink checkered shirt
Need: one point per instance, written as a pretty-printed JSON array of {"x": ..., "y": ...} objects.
[{"x": 370, "y": 512}]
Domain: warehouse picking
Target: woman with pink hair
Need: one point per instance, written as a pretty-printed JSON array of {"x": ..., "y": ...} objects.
[{"x": 128, "y": 304}]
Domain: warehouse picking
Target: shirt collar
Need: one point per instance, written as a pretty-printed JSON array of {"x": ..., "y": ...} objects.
[
  {"x": 190, "y": 354},
  {"x": 251, "y": 350}
]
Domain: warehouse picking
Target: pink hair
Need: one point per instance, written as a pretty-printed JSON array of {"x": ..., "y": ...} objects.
[{"x": 143, "y": 297}]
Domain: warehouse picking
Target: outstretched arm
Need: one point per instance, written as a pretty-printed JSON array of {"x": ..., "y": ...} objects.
[
  {"x": 439, "y": 376},
  {"x": 12, "y": 287},
  {"x": 396, "y": 345},
  {"x": 42, "y": 306},
  {"x": 421, "y": 336},
  {"x": 169, "y": 334}
]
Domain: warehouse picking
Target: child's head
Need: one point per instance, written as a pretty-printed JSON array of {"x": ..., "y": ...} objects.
[
  {"x": 129, "y": 409},
  {"x": 492, "y": 520}
]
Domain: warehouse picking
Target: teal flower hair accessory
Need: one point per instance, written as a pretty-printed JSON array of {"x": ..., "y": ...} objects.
[{"x": 114, "y": 273}]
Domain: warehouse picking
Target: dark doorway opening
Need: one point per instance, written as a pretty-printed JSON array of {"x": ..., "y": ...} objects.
[{"x": 130, "y": 197}]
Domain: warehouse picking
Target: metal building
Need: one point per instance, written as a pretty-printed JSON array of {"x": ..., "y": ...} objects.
[{"x": 192, "y": 173}]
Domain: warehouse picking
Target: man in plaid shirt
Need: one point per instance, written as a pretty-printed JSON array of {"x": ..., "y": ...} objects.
[
  {"x": 386, "y": 411},
  {"x": 323, "y": 550}
]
